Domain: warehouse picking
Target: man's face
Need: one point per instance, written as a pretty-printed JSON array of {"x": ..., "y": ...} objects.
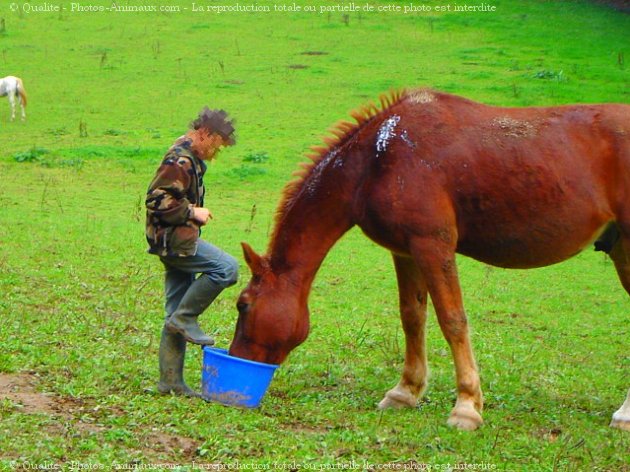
[{"x": 206, "y": 145}]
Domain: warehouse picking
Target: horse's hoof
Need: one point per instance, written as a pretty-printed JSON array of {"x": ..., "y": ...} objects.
[
  {"x": 465, "y": 419},
  {"x": 397, "y": 399},
  {"x": 624, "y": 425},
  {"x": 620, "y": 422}
]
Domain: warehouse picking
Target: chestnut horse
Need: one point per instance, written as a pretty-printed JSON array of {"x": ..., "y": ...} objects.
[{"x": 428, "y": 175}]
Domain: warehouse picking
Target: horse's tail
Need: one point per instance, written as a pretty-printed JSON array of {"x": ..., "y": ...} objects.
[{"x": 21, "y": 91}]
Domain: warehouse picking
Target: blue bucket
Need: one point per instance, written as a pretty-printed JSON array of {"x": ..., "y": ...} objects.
[{"x": 234, "y": 381}]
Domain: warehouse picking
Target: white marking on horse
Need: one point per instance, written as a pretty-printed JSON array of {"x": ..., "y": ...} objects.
[
  {"x": 315, "y": 178},
  {"x": 515, "y": 128},
  {"x": 386, "y": 133},
  {"x": 401, "y": 182},
  {"x": 421, "y": 96},
  {"x": 405, "y": 137}
]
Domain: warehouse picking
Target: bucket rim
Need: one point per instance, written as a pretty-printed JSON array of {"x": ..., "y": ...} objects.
[{"x": 223, "y": 353}]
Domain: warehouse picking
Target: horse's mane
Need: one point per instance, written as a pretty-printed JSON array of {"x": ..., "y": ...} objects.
[{"x": 341, "y": 133}]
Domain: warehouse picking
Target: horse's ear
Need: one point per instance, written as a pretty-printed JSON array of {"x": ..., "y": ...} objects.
[{"x": 255, "y": 262}]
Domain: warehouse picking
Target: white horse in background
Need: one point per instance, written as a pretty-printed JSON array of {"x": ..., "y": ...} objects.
[{"x": 13, "y": 87}]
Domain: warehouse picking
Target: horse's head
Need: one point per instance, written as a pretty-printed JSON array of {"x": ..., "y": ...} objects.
[{"x": 273, "y": 316}]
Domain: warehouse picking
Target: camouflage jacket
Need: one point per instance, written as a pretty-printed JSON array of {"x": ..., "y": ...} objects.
[{"x": 176, "y": 188}]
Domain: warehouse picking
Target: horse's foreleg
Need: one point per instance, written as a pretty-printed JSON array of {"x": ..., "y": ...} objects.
[
  {"x": 620, "y": 255},
  {"x": 436, "y": 259},
  {"x": 413, "y": 313}
]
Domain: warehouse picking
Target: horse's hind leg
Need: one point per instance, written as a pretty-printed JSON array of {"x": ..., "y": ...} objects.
[
  {"x": 620, "y": 255},
  {"x": 412, "y": 292},
  {"x": 23, "y": 109},
  {"x": 12, "y": 104}
]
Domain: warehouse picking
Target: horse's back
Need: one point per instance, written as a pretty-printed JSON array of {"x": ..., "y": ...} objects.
[
  {"x": 8, "y": 84},
  {"x": 522, "y": 187}
]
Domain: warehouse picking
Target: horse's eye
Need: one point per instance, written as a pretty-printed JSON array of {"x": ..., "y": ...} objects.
[{"x": 242, "y": 307}]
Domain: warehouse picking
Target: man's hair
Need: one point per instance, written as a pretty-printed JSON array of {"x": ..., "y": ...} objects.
[{"x": 215, "y": 122}]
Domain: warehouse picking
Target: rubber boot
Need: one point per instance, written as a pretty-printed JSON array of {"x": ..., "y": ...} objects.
[
  {"x": 197, "y": 298},
  {"x": 171, "y": 356}
]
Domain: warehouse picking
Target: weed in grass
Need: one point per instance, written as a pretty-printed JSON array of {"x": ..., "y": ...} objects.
[
  {"x": 257, "y": 158},
  {"x": 550, "y": 75},
  {"x": 252, "y": 215},
  {"x": 155, "y": 134},
  {"x": 75, "y": 163},
  {"x": 62, "y": 131},
  {"x": 83, "y": 133},
  {"x": 32, "y": 155},
  {"x": 314, "y": 53},
  {"x": 245, "y": 172}
]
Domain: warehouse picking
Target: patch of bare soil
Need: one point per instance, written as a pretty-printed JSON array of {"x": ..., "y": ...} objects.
[
  {"x": 621, "y": 5},
  {"x": 81, "y": 415},
  {"x": 20, "y": 389},
  {"x": 157, "y": 441}
]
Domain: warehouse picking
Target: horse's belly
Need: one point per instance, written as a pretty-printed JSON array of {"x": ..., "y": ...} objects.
[{"x": 532, "y": 245}]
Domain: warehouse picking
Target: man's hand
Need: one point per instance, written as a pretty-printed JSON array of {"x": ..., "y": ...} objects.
[{"x": 201, "y": 215}]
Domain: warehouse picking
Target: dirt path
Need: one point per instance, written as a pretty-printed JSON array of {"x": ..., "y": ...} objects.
[{"x": 21, "y": 390}]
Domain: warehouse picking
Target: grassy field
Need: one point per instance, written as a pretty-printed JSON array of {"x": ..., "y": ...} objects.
[{"x": 81, "y": 302}]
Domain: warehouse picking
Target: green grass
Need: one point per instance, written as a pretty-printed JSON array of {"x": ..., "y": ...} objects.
[{"x": 81, "y": 300}]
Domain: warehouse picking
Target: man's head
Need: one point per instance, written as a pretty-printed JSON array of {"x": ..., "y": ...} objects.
[{"x": 211, "y": 130}]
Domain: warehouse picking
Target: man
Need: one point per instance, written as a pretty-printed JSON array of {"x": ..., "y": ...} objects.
[{"x": 175, "y": 214}]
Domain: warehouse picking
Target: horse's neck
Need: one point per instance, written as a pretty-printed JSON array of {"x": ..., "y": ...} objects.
[{"x": 317, "y": 217}]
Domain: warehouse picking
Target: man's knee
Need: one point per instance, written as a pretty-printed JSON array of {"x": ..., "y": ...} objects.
[
  {"x": 233, "y": 270},
  {"x": 229, "y": 269}
]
